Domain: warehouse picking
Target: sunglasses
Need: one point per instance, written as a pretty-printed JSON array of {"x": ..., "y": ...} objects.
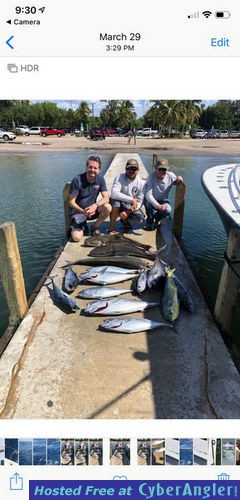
[{"x": 132, "y": 169}]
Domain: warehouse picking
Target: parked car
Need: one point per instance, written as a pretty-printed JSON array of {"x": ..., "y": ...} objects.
[
  {"x": 7, "y": 136},
  {"x": 109, "y": 131},
  {"x": 23, "y": 129},
  {"x": 148, "y": 132},
  {"x": 36, "y": 130},
  {"x": 212, "y": 134},
  {"x": 223, "y": 134},
  {"x": 199, "y": 133},
  {"x": 52, "y": 131},
  {"x": 234, "y": 134},
  {"x": 96, "y": 133}
]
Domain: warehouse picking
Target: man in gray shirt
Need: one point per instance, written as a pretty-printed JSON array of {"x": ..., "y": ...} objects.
[
  {"x": 127, "y": 198},
  {"x": 158, "y": 186}
]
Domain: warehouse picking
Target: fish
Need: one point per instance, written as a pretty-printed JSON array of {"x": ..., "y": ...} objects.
[
  {"x": 101, "y": 292},
  {"x": 106, "y": 239},
  {"x": 132, "y": 325},
  {"x": 107, "y": 269},
  {"x": 113, "y": 250},
  {"x": 156, "y": 272},
  {"x": 184, "y": 295},
  {"x": 63, "y": 298},
  {"x": 118, "y": 306},
  {"x": 139, "y": 283},
  {"x": 126, "y": 261},
  {"x": 71, "y": 280},
  {"x": 170, "y": 302},
  {"x": 109, "y": 278}
]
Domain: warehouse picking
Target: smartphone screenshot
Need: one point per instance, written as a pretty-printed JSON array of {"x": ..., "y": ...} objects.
[{"x": 119, "y": 249}]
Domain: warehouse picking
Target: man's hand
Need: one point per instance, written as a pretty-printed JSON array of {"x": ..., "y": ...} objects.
[
  {"x": 89, "y": 211},
  {"x": 134, "y": 204}
]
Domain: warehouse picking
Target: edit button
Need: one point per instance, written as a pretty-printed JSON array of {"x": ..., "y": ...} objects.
[{"x": 220, "y": 42}]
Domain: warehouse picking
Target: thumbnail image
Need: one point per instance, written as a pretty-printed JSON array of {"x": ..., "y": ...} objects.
[
  {"x": 2, "y": 451},
  {"x": 95, "y": 452},
  {"x": 186, "y": 451},
  {"x": 53, "y": 452},
  {"x": 67, "y": 452},
  {"x": 118, "y": 184},
  {"x": 39, "y": 451},
  {"x": 11, "y": 451},
  {"x": 120, "y": 452},
  {"x": 81, "y": 451},
  {"x": 171, "y": 451},
  {"x": 143, "y": 452},
  {"x": 228, "y": 452},
  {"x": 200, "y": 451},
  {"x": 214, "y": 451},
  {"x": 158, "y": 451},
  {"x": 238, "y": 451},
  {"x": 25, "y": 447}
]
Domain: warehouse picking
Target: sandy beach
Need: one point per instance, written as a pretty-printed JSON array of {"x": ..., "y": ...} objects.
[{"x": 167, "y": 147}]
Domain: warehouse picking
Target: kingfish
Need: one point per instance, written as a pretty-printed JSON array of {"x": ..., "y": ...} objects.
[
  {"x": 107, "y": 269},
  {"x": 106, "y": 239},
  {"x": 63, "y": 298},
  {"x": 126, "y": 261},
  {"x": 170, "y": 302},
  {"x": 123, "y": 249},
  {"x": 132, "y": 325},
  {"x": 109, "y": 278},
  {"x": 118, "y": 306},
  {"x": 71, "y": 280},
  {"x": 101, "y": 292}
]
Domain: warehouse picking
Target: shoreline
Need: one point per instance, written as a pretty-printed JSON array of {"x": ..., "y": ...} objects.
[{"x": 166, "y": 147}]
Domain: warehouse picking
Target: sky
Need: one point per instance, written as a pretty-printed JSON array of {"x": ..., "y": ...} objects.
[{"x": 140, "y": 106}]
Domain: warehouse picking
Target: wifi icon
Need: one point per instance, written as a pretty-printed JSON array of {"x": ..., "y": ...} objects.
[{"x": 206, "y": 13}]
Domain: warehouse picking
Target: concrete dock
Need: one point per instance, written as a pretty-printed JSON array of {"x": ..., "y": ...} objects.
[{"x": 61, "y": 365}]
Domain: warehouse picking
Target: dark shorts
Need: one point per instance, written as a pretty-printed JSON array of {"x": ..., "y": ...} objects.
[
  {"x": 79, "y": 221},
  {"x": 138, "y": 215}
]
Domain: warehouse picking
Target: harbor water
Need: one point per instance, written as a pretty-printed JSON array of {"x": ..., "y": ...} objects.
[{"x": 31, "y": 197}]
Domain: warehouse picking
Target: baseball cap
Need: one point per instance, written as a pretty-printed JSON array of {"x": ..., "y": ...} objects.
[
  {"x": 162, "y": 163},
  {"x": 133, "y": 164}
]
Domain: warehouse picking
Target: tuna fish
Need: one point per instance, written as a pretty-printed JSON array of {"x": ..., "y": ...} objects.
[
  {"x": 71, "y": 280},
  {"x": 131, "y": 325},
  {"x": 109, "y": 278},
  {"x": 101, "y": 292},
  {"x": 107, "y": 269},
  {"x": 170, "y": 302},
  {"x": 63, "y": 298},
  {"x": 118, "y": 306},
  {"x": 139, "y": 284},
  {"x": 157, "y": 271}
]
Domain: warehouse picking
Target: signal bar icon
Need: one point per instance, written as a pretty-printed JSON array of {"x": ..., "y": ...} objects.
[{"x": 195, "y": 15}]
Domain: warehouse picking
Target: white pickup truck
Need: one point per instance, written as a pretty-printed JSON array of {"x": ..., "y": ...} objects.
[{"x": 148, "y": 132}]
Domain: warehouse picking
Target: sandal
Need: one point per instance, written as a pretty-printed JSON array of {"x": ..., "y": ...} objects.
[{"x": 113, "y": 233}]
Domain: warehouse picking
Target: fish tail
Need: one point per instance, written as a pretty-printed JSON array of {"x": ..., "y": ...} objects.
[{"x": 169, "y": 272}]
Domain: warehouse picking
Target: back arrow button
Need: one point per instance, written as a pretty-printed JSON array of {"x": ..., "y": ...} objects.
[{"x": 8, "y": 42}]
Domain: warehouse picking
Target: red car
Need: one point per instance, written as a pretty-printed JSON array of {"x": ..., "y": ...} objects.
[
  {"x": 109, "y": 131},
  {"x": 52, "y": 131}
]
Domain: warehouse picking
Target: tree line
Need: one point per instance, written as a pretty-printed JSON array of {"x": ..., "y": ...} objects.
[{"x": 167, "y": 116}]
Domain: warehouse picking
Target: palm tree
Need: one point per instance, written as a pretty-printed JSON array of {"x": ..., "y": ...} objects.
[{"x": 82, "y": 114}]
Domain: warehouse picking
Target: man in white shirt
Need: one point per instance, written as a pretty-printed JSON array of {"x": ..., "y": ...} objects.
[
  {"x": 127, "y": 197},
  {"x": 158, "y": 186}
]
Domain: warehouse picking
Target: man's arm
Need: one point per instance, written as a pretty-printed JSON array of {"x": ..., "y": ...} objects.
[
  {"x": 74, "y": 205},
  {"x": 91, "y": 210},
  {"x": 116, "y": 193}
]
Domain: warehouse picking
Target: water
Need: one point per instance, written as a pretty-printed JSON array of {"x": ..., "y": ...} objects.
[
  {"x": 53, "y": 451},
  {"x": 39, "y": 451},
  {"x": 25, "y": 451},
  {"x": 31, "y": 197},
  {"x": 186, "y": 452}
]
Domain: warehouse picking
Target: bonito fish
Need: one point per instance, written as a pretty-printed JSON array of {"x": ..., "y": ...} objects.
[
  {"x": 139, "y": 283},
  {"x": 118, "y": 306},
  {"x": 132, "y": 325},
  {"x": 63, "y": 298},
  {"x": 71, "y": 280},
  {"x": 101, "y": 292},
  {"x": 170, "y": 302},
  {"x": 109, "y": 278},
  {"x": 107, "y": 269}
]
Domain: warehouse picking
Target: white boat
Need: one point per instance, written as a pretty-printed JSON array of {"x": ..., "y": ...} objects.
[{"x": 222, "y": 185}]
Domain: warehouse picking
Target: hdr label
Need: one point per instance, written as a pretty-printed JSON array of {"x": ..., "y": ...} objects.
[{"x": 29, "y": 68}]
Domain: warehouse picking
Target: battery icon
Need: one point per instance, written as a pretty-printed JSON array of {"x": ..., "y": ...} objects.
[{"x": 223, "y": 14}]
